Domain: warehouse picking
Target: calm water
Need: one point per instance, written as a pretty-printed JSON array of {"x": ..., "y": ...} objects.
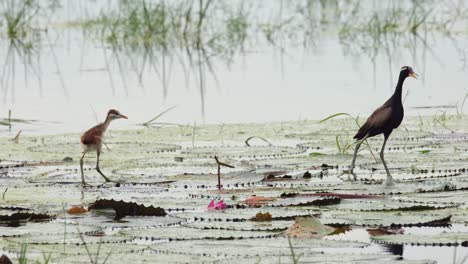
[
  {"x": 440, "y": 254},
  {"x": 73, "y": 78}
]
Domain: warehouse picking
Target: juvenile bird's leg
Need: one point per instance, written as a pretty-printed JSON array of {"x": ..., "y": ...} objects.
[
  {"x": 358, "y": 145},
  {"x": 81, "y": 167},
  {"x": 389, "y": 181},
  {"x": 99, "y": 170}
]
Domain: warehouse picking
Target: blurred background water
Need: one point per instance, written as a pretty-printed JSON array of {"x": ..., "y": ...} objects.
[{"x": 67, "y": 62}]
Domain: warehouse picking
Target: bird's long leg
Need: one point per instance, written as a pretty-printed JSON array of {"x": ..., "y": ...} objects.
[
  {"x": 81, "y": 167},
  {"x": 358, "y": 145},
  {"x": 98, "y": 169},
  {"x": 389, "y": 181}
]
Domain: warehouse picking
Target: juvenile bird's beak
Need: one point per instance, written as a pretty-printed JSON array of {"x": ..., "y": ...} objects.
[
  {"x": 414, "y": 75},
  {"x": 122, "y": 116}
]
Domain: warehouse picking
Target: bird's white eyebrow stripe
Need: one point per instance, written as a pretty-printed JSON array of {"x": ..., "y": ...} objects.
[{"x": 403, "y": 68}]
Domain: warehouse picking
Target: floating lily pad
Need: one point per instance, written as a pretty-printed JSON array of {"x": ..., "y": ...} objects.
[
  {"x": 386, "y": 219},
  {"x": 242, "y": 152},
  {"x": 123, "y": 208},
  {"x": 301, "y": 175},
  {"x": 442, "y": 239},
  {"x": 308, "y": 227}
]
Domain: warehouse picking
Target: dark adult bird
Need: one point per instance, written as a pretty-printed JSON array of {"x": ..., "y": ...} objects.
[
  {"x": 92, "y": 140},
  {"x": 384, "y": 120}
]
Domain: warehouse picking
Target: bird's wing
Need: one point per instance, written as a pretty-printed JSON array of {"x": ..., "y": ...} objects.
[
  {"x": 92, "y": 136},
  {"x": 380, "y": 117},
  {"x": 375, "y": 122}
]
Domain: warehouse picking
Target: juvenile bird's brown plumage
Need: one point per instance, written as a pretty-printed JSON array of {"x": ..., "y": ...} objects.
[
  {"x": 92, "y": 140},
  {"x": 93, "y": 135},
  {"x": 384, "y": 120}
]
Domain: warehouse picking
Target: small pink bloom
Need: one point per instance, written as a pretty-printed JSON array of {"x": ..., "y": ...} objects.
[
  {"x": 221, "y": 205},
  {"x": 211, "y": 205}
]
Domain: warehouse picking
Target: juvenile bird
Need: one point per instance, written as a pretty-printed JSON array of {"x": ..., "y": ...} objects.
[
  {"x": 92, "y": 140},
  {"x": 384, "y": 120}
]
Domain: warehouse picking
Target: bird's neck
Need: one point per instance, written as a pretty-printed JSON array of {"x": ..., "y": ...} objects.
[
  {"x": 106, "y": 123},
  {"x": 399, "y": 88}
]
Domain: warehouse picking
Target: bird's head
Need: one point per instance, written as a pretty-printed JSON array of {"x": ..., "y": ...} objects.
[
  {"x": 407, "y": 71},
  {"x": 114, "y": 114}
]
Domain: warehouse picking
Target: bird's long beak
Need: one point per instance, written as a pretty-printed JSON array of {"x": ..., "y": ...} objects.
[
  {"x": 122, "y": 116},
  {"x": 414, "y": 75}
]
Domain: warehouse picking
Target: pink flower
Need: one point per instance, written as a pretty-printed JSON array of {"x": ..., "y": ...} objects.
[
  {"x": 211, "y": 205},
  {"x": 220, "y": 205}
]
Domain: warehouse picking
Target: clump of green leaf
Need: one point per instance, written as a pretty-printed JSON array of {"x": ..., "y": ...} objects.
[
  {"x": 18, "y": 16},
  {"x": 94, "y": 260},
  {"x": 344, "y": 145}
]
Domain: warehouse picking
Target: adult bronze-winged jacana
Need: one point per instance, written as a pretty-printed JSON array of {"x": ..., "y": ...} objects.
[
  {"x": 384, "y": 120},
  {"x": 92, "y": 139}
]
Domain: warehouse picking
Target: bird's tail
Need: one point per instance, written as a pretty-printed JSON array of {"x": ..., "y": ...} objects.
[{"x": 361, "y": 133}]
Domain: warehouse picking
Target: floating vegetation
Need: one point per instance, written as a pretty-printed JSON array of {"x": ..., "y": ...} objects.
[
  {"x": 163, "y": 207},
  {"x": 308, "y": 227},
  {"x": 123, "y": 209},
  {"x": 22, "y": 217},
  {"x": 79, "y": 209},
  {"x": 442, "y": 239},
  {"x": 262, "y": 217},
  {"x": 281, "y": 178},
  {"x": 19, "y": 17},
  {"x": 24, "y": 33}
]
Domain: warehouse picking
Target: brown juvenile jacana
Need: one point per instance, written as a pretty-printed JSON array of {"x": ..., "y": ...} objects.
[
  {"x": 384, "y": 120},
  {"x": 92, "y": 140}
]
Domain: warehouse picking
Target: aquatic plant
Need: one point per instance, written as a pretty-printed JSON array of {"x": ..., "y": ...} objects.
[
  {"x": 22, "y": 254},
  {"x": 295, "y": 259},
  {"x": 151, "y": 121},
  {"x": 95, "y": 259},
  {"x": 220, "y": 205},
  {"x": 344, "y": 146},
  {"x": 23, "y": 37},
  {"x": 153, "y": 39},
  {"x": 430, "y": 195},
  {"x": 19, "y": 17}
]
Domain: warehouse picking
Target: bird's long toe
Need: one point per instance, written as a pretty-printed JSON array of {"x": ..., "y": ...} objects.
[
  {"x": 389, "y": 182},
  {"x": 354, "y": 176},
  {"x": 107, "y": 179},
  {"x": 86, "y": 185}
]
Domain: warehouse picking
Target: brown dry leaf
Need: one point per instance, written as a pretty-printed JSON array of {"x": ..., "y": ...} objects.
[
  {"x": 262, "y": 217},
  {"x": 384, "y": 231},
  {"x": 123, "y": 208},
  {"x": 308, "y": 227},
  {"x": 340, "y": 230},
  {"x": 257, "y": 201},
  {"x": 79, "y": 209}
]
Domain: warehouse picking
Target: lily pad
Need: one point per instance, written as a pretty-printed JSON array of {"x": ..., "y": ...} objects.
[{"x": 123, "y": 208}]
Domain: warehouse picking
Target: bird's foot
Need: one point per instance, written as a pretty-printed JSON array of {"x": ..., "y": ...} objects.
[
  {"x": 107, "y": 179},
  {"x": 350, "y": 172},
  {"x": 85, "y": 185},
  {"x": 102, "y": 174},
  {"x": 389, "y": 182}
]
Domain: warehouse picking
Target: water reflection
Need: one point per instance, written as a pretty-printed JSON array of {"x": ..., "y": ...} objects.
[
  {"x": 409, "y": 251},
  {"x": 394, "y": 249},
  {"x": 147, "y": 45}
]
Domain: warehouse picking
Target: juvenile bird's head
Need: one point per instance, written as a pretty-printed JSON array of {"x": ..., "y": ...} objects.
[{"x": 114, "y": 114}]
